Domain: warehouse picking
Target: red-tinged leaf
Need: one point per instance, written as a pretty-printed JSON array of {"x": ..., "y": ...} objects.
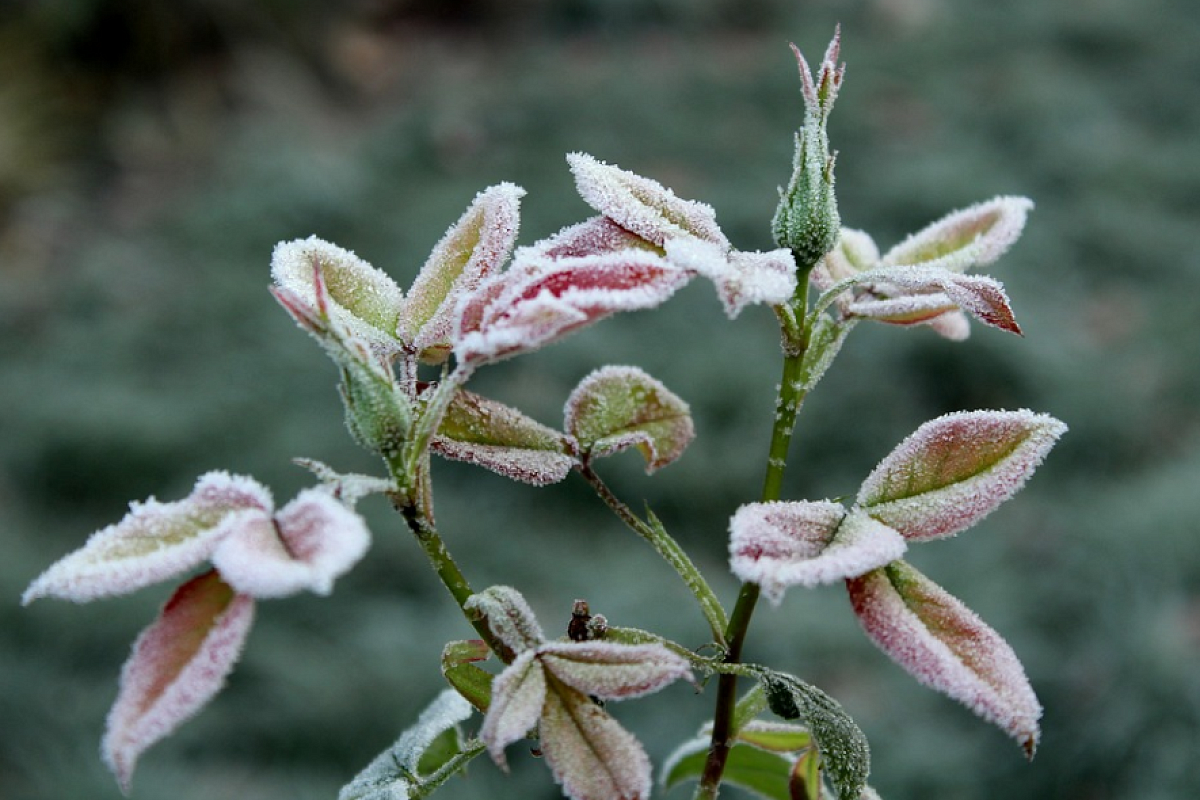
[
  {"x": 360, "y": 298},
  {"x": 498, "y": 437},
  {"x": 155, "y": 541},
  {"x": 613, "y": 671},
  {"x": 956, "y": 469},
  {"x": 782, "y": 544},
  {"x": 313, "y": 540},
  {"x": 907, "y": 295},
  {"x": 538, "y": 301},
  {"x": 641, "y": 205},
  {"x": 177, "y": 665},
  {"x": 615, "y": 408},
  {"x": 974, "y": 236},
  {"x": 518, "y": 696},
  {"x": 947, "y": 647},
  {"x": 473, "y": 248},
  {"x": 591, "y": 237},
  {"x": 590, "y": 755},
  {"x": 855, "y": 252}
]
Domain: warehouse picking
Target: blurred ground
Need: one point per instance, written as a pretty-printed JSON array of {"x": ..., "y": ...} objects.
[{"x": 150, "y": 156}]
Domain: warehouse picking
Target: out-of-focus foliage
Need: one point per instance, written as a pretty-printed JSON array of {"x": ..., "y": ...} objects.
[{"x": 151, "y": 155}]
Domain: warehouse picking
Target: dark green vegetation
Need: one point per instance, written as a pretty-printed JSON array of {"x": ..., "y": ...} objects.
[{"x": 149, "y": 160}]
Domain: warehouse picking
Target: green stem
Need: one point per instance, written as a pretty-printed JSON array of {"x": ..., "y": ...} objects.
[
  {"x": 787, "y": 406},
  {"x": 666, "y": 546}
]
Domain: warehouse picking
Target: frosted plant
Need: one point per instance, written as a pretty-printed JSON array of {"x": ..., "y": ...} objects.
[{"x": 480, "y": 299}]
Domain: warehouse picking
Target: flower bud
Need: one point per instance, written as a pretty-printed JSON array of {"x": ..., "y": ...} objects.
[{"x": 807, "y": 221}]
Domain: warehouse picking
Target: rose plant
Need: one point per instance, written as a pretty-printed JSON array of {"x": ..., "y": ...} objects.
[{"x": 405, "y": 359}]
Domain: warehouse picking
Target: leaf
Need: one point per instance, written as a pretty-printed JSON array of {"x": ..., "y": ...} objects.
[
  {"x": 641, "y": 205},
  {"x": 742, "y": 278},
  {"x": 775, "y": 737},
  {"x": 311, "y": 541},
  {"x": 765, "y": 774},
  {"x": 393, "y": 773},
  {"x": 590, "y": 755},
  {"x": 782, "y": 544},
  {"x": 974, "y": 236},
  {"x": 509, "y": 618},
  {"x": 855, "y": 252},
  {"x": 615, "y": 408},
  {"x": 588, "y": 238},
  {"x": 518, "y": 695},
  {"x": 612, "y": 671},
  {"x": 919, "y": 294},
  {"x": 473, "y": 683},
  {"x": 539, "y": 300},
  {"x": 178, "y": 664},
  {"x": 843, "y": 748},
  {"x": 500, "y": 438},
  {"x": 472, "y": 249},
  {"x": 361, "y": 299},
  {"x": 946, "y": 646},
  {"x": 956, "y": 469},
  {"x": 155, "y": 541}
]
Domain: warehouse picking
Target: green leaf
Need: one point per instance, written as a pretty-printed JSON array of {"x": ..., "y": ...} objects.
[
  {"x": 843, "y": 747},
  {"x": 500, "y": 438},
  {"x": 765, "y": 774},
  {"x": 473, "y": 683},
  {"x": 615, "y": 408},
  {"x": 826, "y": 336}
]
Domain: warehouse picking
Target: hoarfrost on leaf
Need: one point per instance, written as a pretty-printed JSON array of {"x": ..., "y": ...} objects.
[
  {"x": 782, "y": 544},
  {"x": 155, "y": 541},
  {"x": 176, "y": 667},
  {"x": 643, "y": 206},
  {"x": 387, "y": 776},
  {"x": 956, "y": 469},
  {"x": 472, "y": 249},
  {"x": 971, "y": 237},
  {"x": 946, "y": 646},
  {"x": 616, "y": 407},
  {"x": 509, "y": 618},
  {"x": 309, "y": 543},
  {"x": 363, "y": 300}
]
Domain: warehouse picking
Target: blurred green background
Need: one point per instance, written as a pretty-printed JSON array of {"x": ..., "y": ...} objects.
[{"x": 151, "y": 154}]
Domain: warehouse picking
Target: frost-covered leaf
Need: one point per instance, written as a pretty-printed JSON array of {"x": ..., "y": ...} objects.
[
  {"x": 540, "y": 299},
  {"x": 348, "y": 487},
  {"x": 155, "y": 541},
  {"x": 518, "y": 696},
  {"x": 309, "y": 543},
  {"x": 473, "y": 248},
  {"x": 177, "y": 665},
  {"x": 843, "y": 748},
  {"x": 615, "y": 408},
  {"x": 972, "y": 237},
  {"x": 361, "y": 299},
  {"x": 590, "y": 755},
  {"x": 641, "y": 205},
  {"x": 946, "y": 646},
  {"x": 782, "y": 544},
  {"x": 498, "y": 437},
  {"x": 459, "y": 670},
  {"x": 391, "y": 774},
  {"x": 910, "y": 295},
  {"x": 763, "y": 773},
  {"x": 588, "y": 238},
  {"x": 509, "y": 618},
  {"x": 776, "y": 737},
  {"x": 613, "y": 671},
  {"x": 741, "y": 278},
  {"x": 956, "y": 469}
]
